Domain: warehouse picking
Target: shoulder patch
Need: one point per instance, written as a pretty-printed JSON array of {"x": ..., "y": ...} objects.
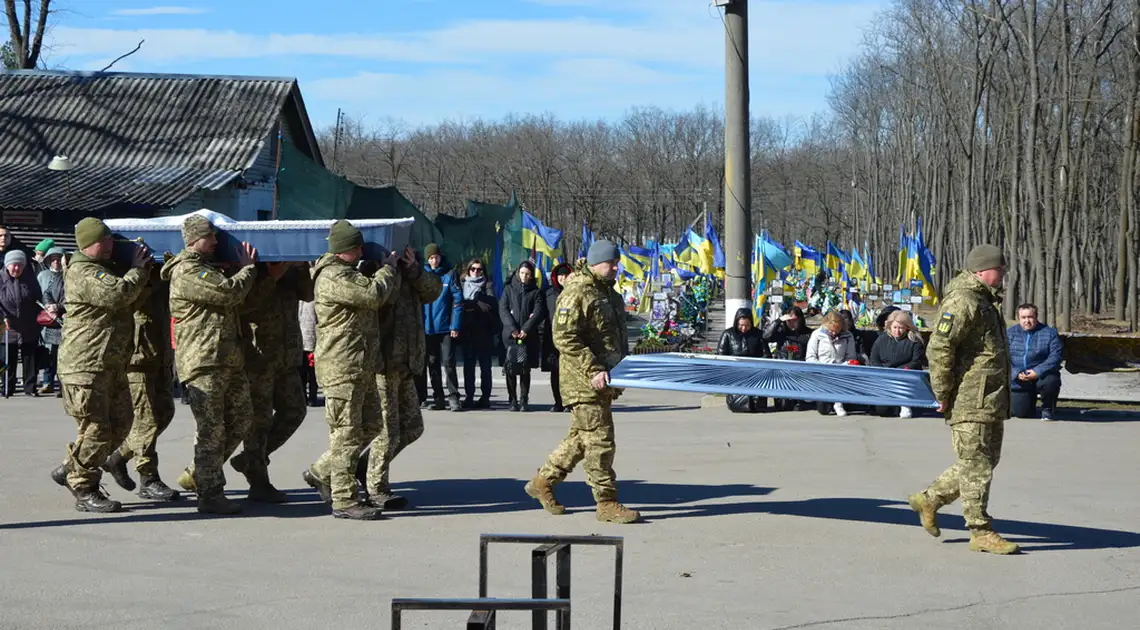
[
  {"x": 105, "y": 277},
  {"x": 945, "y": 324},
  {"x": 361, "y": 281},
  {"x": 212, "y": 277},
  {"x": 563, "y": 315}
]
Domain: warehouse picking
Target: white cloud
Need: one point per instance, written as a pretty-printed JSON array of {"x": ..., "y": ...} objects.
[
  {"x": 792, "y": 38},
  {"x": 160, "y": 11}
]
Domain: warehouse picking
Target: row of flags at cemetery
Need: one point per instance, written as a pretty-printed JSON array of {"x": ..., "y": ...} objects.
[{"x": 775, "y": 269}]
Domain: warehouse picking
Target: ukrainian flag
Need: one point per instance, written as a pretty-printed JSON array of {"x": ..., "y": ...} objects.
[
  {"x": 857, "y": 268},
  {"x": 631, "y": 266},
  {"x": 777, "y": 256},
  {"x": 544, "y": 243},
  {"x": 644, "y": 258},
  {"x": 836, "y": 259},
  {"x": 808, "y": 259},
  {"x": 587, "y": 241}
]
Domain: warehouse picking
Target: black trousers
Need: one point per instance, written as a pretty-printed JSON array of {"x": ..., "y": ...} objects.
[
  {"x": 1024, "y": 403},
  {"x": 308, "y": 379},
  {"x": 554, "y": 382},
  {"x": 440, "y": 354},
  {"x": 477, "y": 349},
  {"x": 25, "y": 354}
]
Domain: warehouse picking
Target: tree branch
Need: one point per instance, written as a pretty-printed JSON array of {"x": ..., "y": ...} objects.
[
  {"x": 41, "y": 26},
  {"x": 123, "y": 56}
]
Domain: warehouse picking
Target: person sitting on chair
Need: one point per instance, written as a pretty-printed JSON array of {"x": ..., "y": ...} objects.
[{"x": 1035, "y": 353}]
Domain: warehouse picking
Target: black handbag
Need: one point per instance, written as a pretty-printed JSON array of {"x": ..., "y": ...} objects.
[{"x": 516, "y": 362}]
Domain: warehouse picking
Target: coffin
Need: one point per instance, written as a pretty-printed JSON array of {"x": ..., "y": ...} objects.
[
  {"x": 793, "y": 380},
  {"x": 275, "y": 241}
]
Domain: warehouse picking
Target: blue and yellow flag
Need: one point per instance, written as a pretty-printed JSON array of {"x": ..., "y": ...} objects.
[
  {"x": 808, "y": 259},
  {"x": 544, "y": 243}
]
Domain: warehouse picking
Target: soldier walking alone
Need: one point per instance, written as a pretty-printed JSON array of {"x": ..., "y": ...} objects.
[
  {"x": 969, "y": 371},
  {"x": 590, "y": 335}
]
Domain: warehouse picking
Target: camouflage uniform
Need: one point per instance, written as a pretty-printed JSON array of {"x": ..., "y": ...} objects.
[
  {"x": 93, "y": 355},
  {"x": 402, "y": 354},
  {"x": 151, "y": 377},
  {"x": 207, "y": 335},
  {"x": 347, "y": 356},
  {"x": 969, "y": 371},
  {"x": 590, "y": 335},
  {"x": 272, "y": 351}
]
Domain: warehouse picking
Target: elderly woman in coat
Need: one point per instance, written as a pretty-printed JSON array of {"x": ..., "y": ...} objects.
[
  {"x": 51, "y": 285},
  {"x": 20, "y": 299}
]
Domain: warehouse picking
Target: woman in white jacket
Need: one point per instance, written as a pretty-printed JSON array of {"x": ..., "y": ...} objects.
[{"x": 832, "y": 343}]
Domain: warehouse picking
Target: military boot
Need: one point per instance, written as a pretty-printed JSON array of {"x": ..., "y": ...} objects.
[
  {"x": 989, "y": 541},
  {"x": 95, "y": 501},
  {"x": 540, "y": 489},
  {"x": 186, "y": 481},
  {"x": 59, "y": 474},
  {"x": 927, "y": 513},
  {"x": 614, "y": 512},
  {"x": 315, "y": 483},
  {"x": 218, "y": 504},
  {"x": 359, "y": 512},
  {"x": 151, "y": 487},
  {"x": 386, "y": 500},
  {"x": 239, "y": 462},
  {"x": 116, "y": 464},
  {"x": 261, "y": 490}
]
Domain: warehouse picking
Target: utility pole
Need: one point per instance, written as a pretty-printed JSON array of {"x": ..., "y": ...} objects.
[{"x": 737, "y": 159}]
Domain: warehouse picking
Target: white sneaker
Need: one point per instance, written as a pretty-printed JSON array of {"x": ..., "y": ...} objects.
[
  {"x": 905, "y": 413},
  {"x": 839, "y": 410}
]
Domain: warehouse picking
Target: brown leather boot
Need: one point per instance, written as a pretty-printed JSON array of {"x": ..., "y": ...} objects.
[
  {"x": 927, "y": 513},
  {"x": 540, "y": 489},
  {"x": 614, "y": 512},
  {"x": 989, "y": 541}
]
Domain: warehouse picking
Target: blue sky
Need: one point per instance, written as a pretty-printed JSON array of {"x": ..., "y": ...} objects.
[{"x": 425, "y": 61}]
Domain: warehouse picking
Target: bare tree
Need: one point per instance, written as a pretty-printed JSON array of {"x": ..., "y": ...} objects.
[{"x": 25, "y": 41}]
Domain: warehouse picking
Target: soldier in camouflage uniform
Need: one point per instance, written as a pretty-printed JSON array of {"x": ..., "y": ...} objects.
[
  {"x": 969, "y": 371},
  {"x": 207, "y": 333},
  {"x": 93, "y": 357},
  {"x": 151, "y": 376},
  {"x": 347, "y": 355},
  {"x": 270, "y": 323},
  {"x": 590, "y": 335},
  {"x": 403, "y": 350}
]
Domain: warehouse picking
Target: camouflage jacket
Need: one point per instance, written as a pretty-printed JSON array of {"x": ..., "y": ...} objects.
[
  {"x": 204, "y": 304},
  {"x": 589, "y": 333},
  {"x": 152, "y": 327},
  {"x": 403, "y": 344},
  {"x": 348, "y": 333},
  {"x": 269, "y": 316},
  {"x": 98, "y": 329},
  {"x": 969, "y": 354}
]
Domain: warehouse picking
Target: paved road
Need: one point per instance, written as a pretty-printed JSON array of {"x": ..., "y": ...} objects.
[{"x": 773, "y": 521}]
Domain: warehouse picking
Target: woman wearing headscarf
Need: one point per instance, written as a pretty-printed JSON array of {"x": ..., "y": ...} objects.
[
  {"x": 522, "y": 310},
  {"x": 743, "y": 339},
  {"x": 791, "y": 334},
  {"x": 558, "y": 277},
  {"x": 51, "y": 286},
  {"x": 20, "y": 299},
  {"x": 479, "y": 321},
  {"x": 899, "y": 346}
]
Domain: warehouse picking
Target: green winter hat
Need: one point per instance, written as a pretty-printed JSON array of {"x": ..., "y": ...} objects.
[
  {"x": 45, "y": 245},
  {"x": 985, "y": 257},
  {"x": 90, "y": 231},
  {"x": 344, "y": 236},
  {"x": 431, "y": 250}
]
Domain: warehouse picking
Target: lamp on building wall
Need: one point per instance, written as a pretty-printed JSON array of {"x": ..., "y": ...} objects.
[{"x": 62, "y": 163}]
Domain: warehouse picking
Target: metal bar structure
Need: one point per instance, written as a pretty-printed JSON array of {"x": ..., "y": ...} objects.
[
  {"x": 486, "y": 605},
  {"x": 559, "y": 546}
]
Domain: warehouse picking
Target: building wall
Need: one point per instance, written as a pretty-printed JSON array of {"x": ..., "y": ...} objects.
[{"x": 248, "y": 198}]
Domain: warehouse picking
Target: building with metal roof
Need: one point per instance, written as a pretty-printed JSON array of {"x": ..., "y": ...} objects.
[{"x": 142, "y": 145}]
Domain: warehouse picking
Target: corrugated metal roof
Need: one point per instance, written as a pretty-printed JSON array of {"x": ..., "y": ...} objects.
[{"x": 135, "y": 138}]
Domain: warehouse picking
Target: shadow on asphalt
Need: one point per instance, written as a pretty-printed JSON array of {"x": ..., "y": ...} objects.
[
  {"x": 656, "y": 501},
  {"x": 1031, "y": 536},
  {"x": 1080, "y": 414}
]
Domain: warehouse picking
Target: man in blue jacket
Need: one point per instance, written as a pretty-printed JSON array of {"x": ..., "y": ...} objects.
[
  {"x": 1035, "y": 351},
  {"x": 441, "y": 326}
]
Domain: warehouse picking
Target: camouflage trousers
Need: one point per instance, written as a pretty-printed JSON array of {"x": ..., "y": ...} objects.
[
  {"x": 100, "y": 402},
  {"x": 352, "y": 411},
  {"x": 152, "y": 396},
  {"x": 219, "y": 400},
  {"x": 978, "y": 446},
  {"x": 401, "y": 425},
  {"x": 279, "y": 408},
  {"x": 590, "y": 441}
]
